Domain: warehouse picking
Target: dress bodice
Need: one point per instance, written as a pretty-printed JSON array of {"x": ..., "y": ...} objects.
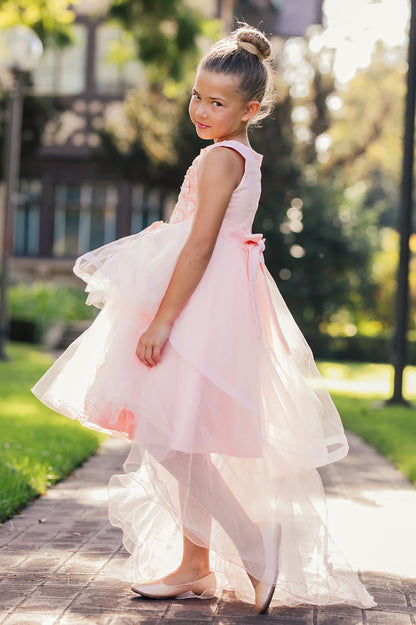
[{"x": 240, "y": 213}]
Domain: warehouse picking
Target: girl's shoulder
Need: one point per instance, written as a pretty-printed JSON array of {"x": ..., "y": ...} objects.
[
  {"x": 246, "y": 151},
  {"x": 247, "y": 170}
]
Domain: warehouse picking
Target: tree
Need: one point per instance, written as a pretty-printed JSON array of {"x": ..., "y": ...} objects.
[
  {"x": 50, "y": 19},
  {"x": 319, "y": 238},
  {"x": 366, "y": 131},
  {"x": 366, "y": 148},
  {"x": 347, "y": 145},
  {"x": 165, "y": 34},
  {"x": 151, "y": 139}
]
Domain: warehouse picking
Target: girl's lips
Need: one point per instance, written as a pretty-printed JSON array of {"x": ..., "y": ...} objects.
[{"x": 199, "y": 125}]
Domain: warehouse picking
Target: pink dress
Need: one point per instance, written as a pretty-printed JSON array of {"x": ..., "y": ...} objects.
[{"x": 228, "y": 430}]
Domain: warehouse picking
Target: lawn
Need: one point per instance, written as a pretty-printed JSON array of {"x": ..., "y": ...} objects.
[
  {"x": 358, "y": 390},
  {"x": 37, "y": 446}
]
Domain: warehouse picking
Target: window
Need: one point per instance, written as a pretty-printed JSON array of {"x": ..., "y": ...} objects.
[
  {"x": 115, "y": 68},
  {"x": 85, "y": 218},
  {"x": 62, "y": 71},
  {"x": 146, "y": 207},
  {"x": 26, "y": 225}
]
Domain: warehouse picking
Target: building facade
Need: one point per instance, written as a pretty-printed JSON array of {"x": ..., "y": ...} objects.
[{"x": 67, "y": 204}]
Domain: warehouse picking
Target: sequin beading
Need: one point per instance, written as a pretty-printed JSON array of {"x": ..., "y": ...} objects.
[{"x": 186, "y": 204}]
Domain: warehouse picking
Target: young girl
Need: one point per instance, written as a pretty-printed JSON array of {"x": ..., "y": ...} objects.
[{"x": 196, "y": 360}]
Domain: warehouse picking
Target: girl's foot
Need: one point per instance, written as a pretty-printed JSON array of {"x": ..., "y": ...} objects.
[
  {"x": 265, "y": 587},
  {"x": 186, "y": 574},
  {"x": 203, "y": 587}
]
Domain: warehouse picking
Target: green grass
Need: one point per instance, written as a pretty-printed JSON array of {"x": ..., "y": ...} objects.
[
  {"x": 391, "y": 429},
  {"x": 358, "y": 390},
  {"x": 37, "y": 446},
  {"x": 365, "y": 379}
]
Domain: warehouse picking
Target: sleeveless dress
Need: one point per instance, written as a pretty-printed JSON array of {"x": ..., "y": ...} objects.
[{"x": 228, "y": 430}]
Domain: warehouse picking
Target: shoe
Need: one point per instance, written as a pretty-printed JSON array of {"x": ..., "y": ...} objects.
[
  {"x": 264, "y": 590},
  {"x": 203, "y": 588}
]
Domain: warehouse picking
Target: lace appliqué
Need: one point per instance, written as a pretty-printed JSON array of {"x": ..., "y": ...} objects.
[{"x": 186, "y": 204}]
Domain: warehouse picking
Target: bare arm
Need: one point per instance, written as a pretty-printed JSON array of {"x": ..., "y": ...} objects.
[{"x": 220, "y": 173}]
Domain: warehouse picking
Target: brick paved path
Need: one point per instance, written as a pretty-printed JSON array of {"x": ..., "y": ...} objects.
[{"x": 55, "y": 556}]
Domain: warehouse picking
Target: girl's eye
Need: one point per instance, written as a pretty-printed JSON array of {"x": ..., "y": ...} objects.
[
  {"x": 217, "y": 104},
  {"x": 195, "y": 96}
]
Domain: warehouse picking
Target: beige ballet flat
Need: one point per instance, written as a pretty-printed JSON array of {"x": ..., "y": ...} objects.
[
  {"x": 264, "y": 591},
  {"x": 203, "y": 588},
  {"x": 264, "y": 594}
]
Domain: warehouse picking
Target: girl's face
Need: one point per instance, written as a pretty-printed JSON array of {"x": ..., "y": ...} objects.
[{"x": 216, "y": 108}]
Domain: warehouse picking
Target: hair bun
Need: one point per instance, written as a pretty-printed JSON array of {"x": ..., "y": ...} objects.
[{"x": 253, "y": 40}]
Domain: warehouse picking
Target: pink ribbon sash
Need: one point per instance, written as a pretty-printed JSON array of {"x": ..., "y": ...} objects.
[{"x": 255, "y": 245}]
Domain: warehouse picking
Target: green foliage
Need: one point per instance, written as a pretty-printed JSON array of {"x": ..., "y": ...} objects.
[
  {"x": 366, "y": 149},
  {"x": 347, "y": 148},
  {"x": 156, "y": 154},
  {"x": 337, "y": 238},
  {"x": 45, "y": 303},
  {"x": 152, "y": 140},
  {"x": 151, "y": 119},
  {"x": 50, "y": 19},
  {"x": 280, "y": 171},
  {"x": 367, "y": 130},
  {"x": 319, "y": 238},
  {"x": 38, "y": 447},
  {"x": 165, "y": 35}
]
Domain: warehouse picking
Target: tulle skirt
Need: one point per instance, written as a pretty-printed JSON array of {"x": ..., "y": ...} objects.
[{"x": 227, "y": 431}]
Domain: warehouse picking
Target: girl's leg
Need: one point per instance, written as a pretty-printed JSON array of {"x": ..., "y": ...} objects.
[
  {"x": 195, "y": 558},
  {"x": 207, "y": 494},
  {"x": 194, "y": 565}
]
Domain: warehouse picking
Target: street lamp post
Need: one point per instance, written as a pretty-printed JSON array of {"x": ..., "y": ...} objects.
[
  {"x": 405, "y": 225},
  {"x": 20, "y": 49}
]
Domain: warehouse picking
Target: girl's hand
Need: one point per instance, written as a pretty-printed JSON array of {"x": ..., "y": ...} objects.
[{"x": 151, "y": 343}]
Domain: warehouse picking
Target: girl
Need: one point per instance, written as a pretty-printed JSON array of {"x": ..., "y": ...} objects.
[{"x": 221, "y": 399}]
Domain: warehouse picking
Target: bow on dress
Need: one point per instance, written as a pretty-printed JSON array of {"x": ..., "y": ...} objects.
[{"x": 255, "y": 259}]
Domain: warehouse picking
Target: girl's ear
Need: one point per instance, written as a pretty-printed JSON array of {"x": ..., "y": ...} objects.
[{"x": 251, "y": 109}]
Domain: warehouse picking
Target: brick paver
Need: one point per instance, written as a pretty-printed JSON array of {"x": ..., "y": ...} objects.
[{"x": 56, "y": 557}]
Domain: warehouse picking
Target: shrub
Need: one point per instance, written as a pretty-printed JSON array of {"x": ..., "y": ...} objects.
[{"x": 44, "y": 303}]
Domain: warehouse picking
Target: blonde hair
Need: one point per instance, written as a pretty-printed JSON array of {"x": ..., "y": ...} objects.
[{"x": 246, "y": 54}]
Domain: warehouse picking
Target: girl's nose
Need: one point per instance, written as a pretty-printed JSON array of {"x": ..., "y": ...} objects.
[{"x": 201, "y": 111}]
